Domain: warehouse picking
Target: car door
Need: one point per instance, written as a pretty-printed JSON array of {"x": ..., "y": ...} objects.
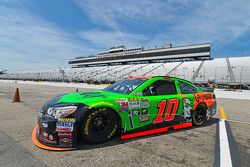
[{"x": 161, "y": 103}]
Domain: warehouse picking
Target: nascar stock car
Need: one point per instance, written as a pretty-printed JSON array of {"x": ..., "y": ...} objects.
[{"x": 133, "y": 107}]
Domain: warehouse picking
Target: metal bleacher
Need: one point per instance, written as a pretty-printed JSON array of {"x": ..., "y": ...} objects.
[{"x": 220, "y": 70}]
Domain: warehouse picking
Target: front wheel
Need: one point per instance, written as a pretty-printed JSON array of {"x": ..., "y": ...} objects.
[
  {"x": 199, "y": 115},
  {"x": 99, "y": 125}
]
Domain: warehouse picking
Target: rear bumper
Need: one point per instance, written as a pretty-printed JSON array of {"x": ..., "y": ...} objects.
[
  {"x": 37, "y": 140},
  {"x": 212, "y": 109}
]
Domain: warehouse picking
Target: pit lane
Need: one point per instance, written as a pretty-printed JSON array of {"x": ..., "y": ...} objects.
[{"x": 189, "y": 147}]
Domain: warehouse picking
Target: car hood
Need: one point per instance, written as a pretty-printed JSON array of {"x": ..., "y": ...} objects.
[{"x": 90, "y": 96}]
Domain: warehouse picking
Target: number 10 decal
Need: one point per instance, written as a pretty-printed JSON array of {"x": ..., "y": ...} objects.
[{"x": 171, "y": 110}]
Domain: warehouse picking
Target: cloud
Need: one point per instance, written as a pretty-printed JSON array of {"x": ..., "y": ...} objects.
[
  {"x": 178, "y": 22},
  {"x": 112, "y": 38},
  {"x": 121, "y": 22},
  {"x": 218, "y": 22},
  {"x": 112, "y": 14},
  {"x": 29, "y": 41}
]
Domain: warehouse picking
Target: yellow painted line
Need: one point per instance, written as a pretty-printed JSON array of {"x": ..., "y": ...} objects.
[
  {"x": 223, "y": 114},
  {"x": 105, "y": 84}
]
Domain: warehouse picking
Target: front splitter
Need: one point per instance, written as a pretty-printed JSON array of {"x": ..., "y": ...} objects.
[{"x": 43, "y": 146}]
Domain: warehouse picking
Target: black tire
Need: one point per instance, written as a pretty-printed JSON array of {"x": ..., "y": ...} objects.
[
  {"x": 99, "y": 126},
  {"x": 199, "y": 115}
]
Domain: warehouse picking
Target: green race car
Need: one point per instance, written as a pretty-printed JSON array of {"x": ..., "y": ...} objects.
[{"x": 136, "y": 106}]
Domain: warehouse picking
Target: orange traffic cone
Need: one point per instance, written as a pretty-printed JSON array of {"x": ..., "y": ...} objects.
[
  {"x": 17, "y": 96},
  {"x": 77, "y": 90}
]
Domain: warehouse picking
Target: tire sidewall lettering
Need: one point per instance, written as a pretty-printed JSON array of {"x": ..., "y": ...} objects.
[{"x": 89, "y": 119}]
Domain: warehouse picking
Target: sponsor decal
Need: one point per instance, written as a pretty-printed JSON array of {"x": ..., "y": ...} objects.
[
  {"x": 144, "y": 118},
  {"x": 65, "y": 138},
  {"x": 124, "y": 106},
  {"x": 120, "y": 100},
  {"x": 144, "y": 103},
  {"x": 135, "y": 112},
  {"x": 64, "y": 129},
  {"x": 65, "y": 133},
  {"x": 144, "y": 100},
  {"x": 134, "y": 104},
  {"x": 133, "y": 99},
  {"x": 67, "y": 120},
  {"x": 144, "y": 112},
  {"x": 201, "y": 97},
  {"x": 64, "y": 126},
  {"x": 187, "y": 107},
  {"x": 104, "y": 103}
]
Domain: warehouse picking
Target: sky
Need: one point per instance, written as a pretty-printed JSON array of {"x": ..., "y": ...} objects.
[{"x": 37, "y": 34}]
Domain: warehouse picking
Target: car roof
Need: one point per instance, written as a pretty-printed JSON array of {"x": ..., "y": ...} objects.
[{"x": 166, "y": 77}]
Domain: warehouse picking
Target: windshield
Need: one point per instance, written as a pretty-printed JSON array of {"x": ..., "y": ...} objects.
[{"x": 126, "y": 86}]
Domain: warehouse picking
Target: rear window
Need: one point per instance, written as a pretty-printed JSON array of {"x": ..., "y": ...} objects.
[{"x": 186, "y": 88}]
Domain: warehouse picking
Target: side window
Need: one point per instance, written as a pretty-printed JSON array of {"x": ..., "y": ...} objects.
[
  {"x": 186, "y": 88},
  {"x": 161, "y": 87}
]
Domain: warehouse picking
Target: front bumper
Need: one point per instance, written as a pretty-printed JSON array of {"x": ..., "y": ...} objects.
[
  {"x": 58, "y": 134},
  {"x": 36, "y": 138}
]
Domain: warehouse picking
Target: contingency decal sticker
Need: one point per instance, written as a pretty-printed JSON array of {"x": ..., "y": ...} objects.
[
  {"x": 144, "y": 116},
  {"x": 65, "y": 138},
  {"x": 144, "y": 103},
  {"x": 203, "y": 97},
  {"x": 65, "y": 124},
  {"x": 134, "y": 103},
  {"x": 136, "y": 112},
  {"x": 123, "y": 102}
]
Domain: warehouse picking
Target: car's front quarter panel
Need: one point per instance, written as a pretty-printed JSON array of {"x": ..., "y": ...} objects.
[{"x": 60, "y": 132}]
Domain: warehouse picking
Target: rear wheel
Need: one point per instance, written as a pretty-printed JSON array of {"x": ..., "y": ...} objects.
[
  {"x": 200, "y": 115},
  {"x": 99, "y": 125}
]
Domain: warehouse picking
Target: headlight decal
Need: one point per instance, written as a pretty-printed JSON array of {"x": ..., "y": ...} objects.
[{"x": 60, "y": 112}]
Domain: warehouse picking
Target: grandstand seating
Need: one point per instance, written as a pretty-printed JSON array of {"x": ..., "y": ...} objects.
[{"x": 216, "y": 70}]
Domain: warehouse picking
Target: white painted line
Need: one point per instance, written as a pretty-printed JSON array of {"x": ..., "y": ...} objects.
[{"x": 225, "y": 157}]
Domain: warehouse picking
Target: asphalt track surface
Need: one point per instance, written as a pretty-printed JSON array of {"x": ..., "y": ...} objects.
[{"x": 196, "y": 146}]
